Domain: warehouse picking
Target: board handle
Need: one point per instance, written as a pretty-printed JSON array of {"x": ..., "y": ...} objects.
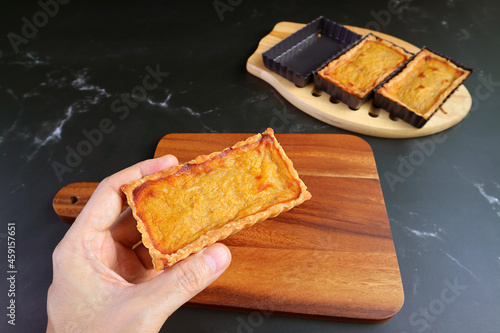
[{"x": 71, "y": 199}]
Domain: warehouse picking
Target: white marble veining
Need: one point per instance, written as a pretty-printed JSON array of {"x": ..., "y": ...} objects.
[
  {"x": 207, "y": 129},
  {"x": 424, "y": 234},
  {"x": 30, "y": 60},
  {"x": 51, "y": 130},
  {"x": 56, "y": 133},
  {"x": 81, "y": 83},
  {"x": 460, "y": 264},
  {"x": 10, "y": 93},
  {"x": 190, "y": 111},
  {"x": 484, "y": 189},
  {"x": 61, "y": 81},
  {"x": 492, "y": 200},
  {"x": 162, "y": 104}
]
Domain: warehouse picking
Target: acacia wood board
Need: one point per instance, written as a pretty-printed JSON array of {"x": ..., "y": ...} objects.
[
  {"x": 332, "y": 257},
  {"x": 367, "y": 119}
]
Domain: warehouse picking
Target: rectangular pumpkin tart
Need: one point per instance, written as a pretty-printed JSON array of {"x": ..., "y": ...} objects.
[
  {"x": 419, "y": 90},
  {"x": 352, "y": 77},
  {"x": 183, "y": 209}
]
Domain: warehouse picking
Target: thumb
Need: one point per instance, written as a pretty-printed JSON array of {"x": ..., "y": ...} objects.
[{"x": 181, "y": 282}]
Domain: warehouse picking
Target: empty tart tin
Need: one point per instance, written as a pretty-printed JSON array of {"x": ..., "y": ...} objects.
[
  {"x": 419, "y": 88},
  {"x": 352, "y": 76},
  {"x": 302, "y": 53}
]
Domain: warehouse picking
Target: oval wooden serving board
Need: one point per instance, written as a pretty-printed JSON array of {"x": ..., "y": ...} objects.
[
  {"x": 331, "y": 257},
  {"x": 368, "y": 119}
]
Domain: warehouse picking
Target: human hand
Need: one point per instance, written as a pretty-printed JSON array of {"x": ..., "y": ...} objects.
[{"x": 101, "y": 284}]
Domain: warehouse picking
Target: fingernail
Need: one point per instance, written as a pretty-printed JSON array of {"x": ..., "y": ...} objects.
[{"x": 217, "y": 257}]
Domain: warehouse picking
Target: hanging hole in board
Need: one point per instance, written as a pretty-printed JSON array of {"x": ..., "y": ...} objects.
[
  {"x": 74, "y": 199},
  {"x": 374, "y": 113},
  {"x": 334, "y": 101},
  {"x": 316, "y": 92}
]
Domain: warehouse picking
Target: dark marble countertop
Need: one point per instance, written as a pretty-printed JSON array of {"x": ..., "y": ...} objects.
[{"x": 83, "y": 61}]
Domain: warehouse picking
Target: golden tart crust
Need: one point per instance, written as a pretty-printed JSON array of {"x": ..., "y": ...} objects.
[
  {"x": 183, "y": 209},
  {"x": 425, "y": 83},
  {"x": 366, "y": 65}
]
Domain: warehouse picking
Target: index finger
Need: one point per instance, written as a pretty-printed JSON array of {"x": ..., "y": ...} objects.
[{"x": 105, "y": 205}]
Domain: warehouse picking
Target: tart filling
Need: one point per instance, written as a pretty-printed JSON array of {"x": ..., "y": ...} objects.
[
  {"x": 185, "y": 208},
  {"x": 425, "y": 83},
  {"x": 366, "y": 65}
]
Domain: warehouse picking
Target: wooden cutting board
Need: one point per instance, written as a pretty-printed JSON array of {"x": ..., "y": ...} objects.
[
  {"x": 368, "y": 119},
  {"x": 331, "y": 257}
]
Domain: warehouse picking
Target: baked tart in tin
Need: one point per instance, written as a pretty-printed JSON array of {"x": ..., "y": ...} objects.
[
  {"x": 419, "y": 89},
  {"x": 181, "y": 210},
  {"x": 352, "y": 77}
]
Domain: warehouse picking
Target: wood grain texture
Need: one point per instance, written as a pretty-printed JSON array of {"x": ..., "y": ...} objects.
[
  {"x": 452, "y": 112},
  {"x": 331, "y": 257},
  {"x": 71, "y": 199}
]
